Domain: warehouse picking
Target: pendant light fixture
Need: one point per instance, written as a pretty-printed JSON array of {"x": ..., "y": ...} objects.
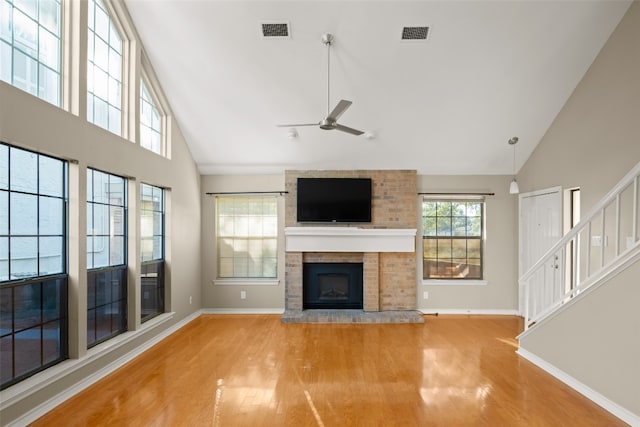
[{"x": 513, "y": 187}]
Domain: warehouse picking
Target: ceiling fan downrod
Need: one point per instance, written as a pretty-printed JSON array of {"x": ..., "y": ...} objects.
[{"x": 327, "y": 39}]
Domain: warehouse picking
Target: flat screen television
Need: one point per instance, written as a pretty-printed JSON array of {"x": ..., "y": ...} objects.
[{"x": 334, "y": 200}]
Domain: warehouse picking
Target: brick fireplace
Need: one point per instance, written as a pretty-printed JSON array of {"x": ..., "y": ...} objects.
[{"x": 386, "y": 247}]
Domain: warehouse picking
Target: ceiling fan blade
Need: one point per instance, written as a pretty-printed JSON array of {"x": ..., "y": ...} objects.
[
  {"x": 348, "y": 130},
  {"x": 339, "y": 109},
  {"x": 298, "y": 124}
]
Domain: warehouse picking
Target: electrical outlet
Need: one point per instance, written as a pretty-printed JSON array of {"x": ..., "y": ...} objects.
[
  {"x": 243, "y": 294},
  {"x": 190, "y": 300},
  {"x": 425, "y": 295}
]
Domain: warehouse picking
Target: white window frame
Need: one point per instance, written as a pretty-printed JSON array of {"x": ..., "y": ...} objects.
[
  {"x": 163, "y": 212},
  {"x": 92, "y": 207},
  {"x": 61, "y": 53},
  {"x": 452, "y": 281},
  {"x": 158, "y": 105},
  {"x": 232, "y": 281},
  {"x": 40, "y": 194},
  {"x": 114, "y": 12}
]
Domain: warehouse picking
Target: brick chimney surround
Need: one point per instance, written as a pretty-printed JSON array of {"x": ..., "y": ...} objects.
[{"x": 386, "y": 246}]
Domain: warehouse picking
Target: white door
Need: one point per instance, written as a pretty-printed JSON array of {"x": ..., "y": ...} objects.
[{"x": 540, "y": 227}]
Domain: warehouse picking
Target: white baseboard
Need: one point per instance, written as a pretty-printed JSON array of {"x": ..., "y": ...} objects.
[
  {"x": 483, "y": 311},
  {"x": 242, "y": 310},
  {"x": 615, "y": 409},
  {"x": 74, "y": 365}
]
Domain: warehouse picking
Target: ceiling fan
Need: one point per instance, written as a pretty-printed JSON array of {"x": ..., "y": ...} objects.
[{"x": 330, "y": 122}]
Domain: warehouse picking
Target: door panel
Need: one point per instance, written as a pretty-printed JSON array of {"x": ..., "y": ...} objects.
[{"x": 540, "y": 227}]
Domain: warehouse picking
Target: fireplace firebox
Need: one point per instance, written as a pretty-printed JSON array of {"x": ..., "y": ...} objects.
[{"x": 332, "y": 285}]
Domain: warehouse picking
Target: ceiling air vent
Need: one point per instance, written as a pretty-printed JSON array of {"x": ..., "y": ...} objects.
[
  {"x": 275, "y": 30},
  {"x": 415, "y": 33}
]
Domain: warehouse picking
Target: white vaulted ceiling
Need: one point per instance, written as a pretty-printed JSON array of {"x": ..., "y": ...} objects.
[{"x": 490, "y": 70}]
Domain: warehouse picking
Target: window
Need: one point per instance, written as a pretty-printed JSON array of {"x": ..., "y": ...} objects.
[
  {"x": 33, "y": 264},
  {"x": 152, "y": 250},
  {"x": 247, "y": 236},
  {"x": 106, "y": 256},
  {"x": 104, "y": 70},
  {"x": 452, "y": 239},
  {"x": 150, "y": 121},
  {"x": 30, "y": 48}
]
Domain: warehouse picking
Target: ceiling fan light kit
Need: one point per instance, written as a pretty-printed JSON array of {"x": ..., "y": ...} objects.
[
  {"x": 292, "y": 133},
  {"x": 330, "y": 122},
  {"x": 370, "y": 134}
]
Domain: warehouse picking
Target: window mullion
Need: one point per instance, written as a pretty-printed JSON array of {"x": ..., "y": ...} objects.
[{"x": 9, "y": 151}]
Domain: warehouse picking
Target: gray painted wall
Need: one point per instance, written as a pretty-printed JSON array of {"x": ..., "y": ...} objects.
[
  {"x": 500, "y": 294},
  {"x": 595, "y": 139},
  {"x": 28, "y": 122},
  {"x": 33, "y": 124},
  {"x": 593, "y": 143},
  {"x": 227, "y": 297},
  {"x": 596, "y": 345}
]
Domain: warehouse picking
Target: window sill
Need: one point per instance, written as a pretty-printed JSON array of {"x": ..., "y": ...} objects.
[
  {"x": 246, "y": 282},
  {"x": 454, "y": 282}
]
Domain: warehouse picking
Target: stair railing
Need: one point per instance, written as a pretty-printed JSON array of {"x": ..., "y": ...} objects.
[{"x": 603, "y": 240}]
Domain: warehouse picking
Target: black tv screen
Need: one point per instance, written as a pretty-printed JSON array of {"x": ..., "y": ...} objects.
[{"x": 334, "y": 200}]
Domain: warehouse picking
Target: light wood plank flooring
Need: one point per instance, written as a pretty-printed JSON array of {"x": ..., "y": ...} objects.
[{"x": 227, "y": 370}]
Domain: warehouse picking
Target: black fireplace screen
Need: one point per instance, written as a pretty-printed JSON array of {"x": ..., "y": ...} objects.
[{"x": 332, "y": 285}]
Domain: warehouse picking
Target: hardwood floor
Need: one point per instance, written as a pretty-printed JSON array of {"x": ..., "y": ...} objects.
[{"x": 225, "y": 370}]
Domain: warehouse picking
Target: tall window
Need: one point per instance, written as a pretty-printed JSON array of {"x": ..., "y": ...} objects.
[
  {"x": 150, "y": 121},
  {"x": 106, "y": 256},
  {"x": 152, "y": 250},
  {"x": 247, "y": 236},
  {"x": 452, "y": 237},
  {"x": 33, "y": 267},
  {"x": 30, "y": 49},
  {"x": 104, "y": 70}
]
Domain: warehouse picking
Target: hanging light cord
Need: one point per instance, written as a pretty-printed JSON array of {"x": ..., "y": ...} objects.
[
  {"x": 514, "y": 161},
  {"x": 513, "y": 141}
]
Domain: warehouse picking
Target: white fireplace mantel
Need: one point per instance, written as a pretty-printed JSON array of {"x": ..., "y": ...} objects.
[{"x": 349, "y": 239}]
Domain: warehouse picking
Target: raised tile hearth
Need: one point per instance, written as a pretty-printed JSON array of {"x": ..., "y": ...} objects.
[{"x": 351, "y": 316}]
